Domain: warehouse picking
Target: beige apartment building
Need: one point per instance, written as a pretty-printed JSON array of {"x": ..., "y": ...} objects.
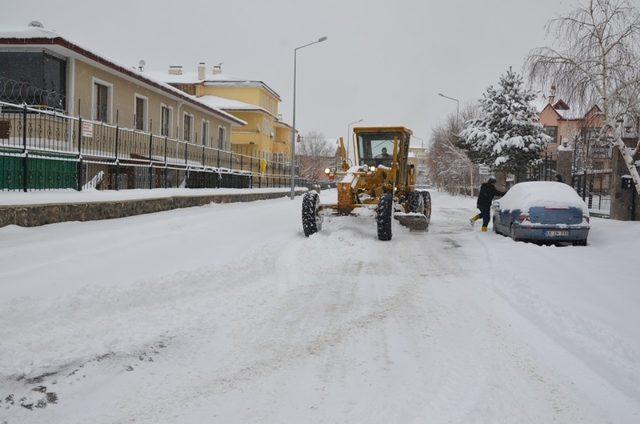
[
  {"x": 265, "y": 136},
  {"x": 80, "y": 82}
]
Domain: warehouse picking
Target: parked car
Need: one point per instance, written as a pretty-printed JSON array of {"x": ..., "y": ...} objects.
[{"x": 542, "y": 211}]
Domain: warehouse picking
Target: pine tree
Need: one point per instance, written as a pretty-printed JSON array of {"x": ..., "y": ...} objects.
[{"x": 507, "y": 136}]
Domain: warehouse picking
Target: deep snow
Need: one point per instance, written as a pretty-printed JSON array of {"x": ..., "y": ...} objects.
[{"x": 226, "y": 313}]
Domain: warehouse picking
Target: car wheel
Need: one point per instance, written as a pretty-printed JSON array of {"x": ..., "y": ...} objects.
[
  {"x": 580, "y": 242},
  {"x": 512, "y": 233}
]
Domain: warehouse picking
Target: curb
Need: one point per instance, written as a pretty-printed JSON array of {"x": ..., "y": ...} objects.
[{"x": 50, "y": 213}]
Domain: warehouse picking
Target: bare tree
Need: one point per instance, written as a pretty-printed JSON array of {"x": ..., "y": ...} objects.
[
  {"x": 449, "y": 167},
  {"x": 315, "y": 154},
  {"x": 596, "y": 60}
]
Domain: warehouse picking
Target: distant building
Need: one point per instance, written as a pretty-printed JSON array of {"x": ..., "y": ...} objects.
[
  {"x": 575, "y": 130},
  {"x": 418, "y": 155},
  {"x": 265, "y": 136}
]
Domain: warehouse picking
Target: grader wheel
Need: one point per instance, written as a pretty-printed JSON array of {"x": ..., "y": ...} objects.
[
  {"x": 311, "y": 219},
  {"x": 427, "y": 204},
  {"x": 383, "y": 217},
  {"x": 416, "y": 202}
]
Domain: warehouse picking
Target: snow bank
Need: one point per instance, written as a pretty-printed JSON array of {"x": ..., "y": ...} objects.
[
  {"x": 546, "y": 194},
  {"x": 89, "y": 196}
]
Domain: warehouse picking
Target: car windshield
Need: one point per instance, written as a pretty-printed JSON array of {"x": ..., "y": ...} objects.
[{"x": 376, "y": 148}]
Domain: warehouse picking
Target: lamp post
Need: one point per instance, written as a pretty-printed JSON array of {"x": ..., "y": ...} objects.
[
  {"x": 293, "y": 134},
  {"x": 349, "y": 134},
  {"x": 457, "y": 106}
]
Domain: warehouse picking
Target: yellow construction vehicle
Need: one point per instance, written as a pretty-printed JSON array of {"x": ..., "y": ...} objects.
[{"x": 380, "y": 178}]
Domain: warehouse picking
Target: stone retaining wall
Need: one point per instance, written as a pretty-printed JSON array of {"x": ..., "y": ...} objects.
[{"x": 49, "y": 213}]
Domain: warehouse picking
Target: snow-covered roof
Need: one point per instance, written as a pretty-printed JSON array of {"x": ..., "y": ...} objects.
[
  {"x": 562, "y": 108},
  {"x": 221, "y": 79},
  {"x": 229, "y": 104},
  {"x": 37, "y": 36},
  {"x": 18, "y": 32}
]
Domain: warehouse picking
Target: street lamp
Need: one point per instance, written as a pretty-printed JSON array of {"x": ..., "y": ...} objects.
[
  {"x": 457, "y": 106},
  {"x": 293, "y": 134},
  {"x": 349, "y": 134}
]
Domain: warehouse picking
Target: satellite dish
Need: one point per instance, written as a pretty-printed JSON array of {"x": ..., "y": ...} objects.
[
  {"x": 36, "y": 24},
  {"x": 141, "y": 64}
]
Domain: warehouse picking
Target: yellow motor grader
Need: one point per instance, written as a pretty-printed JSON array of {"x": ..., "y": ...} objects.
[{"x": 380, "y": 179}]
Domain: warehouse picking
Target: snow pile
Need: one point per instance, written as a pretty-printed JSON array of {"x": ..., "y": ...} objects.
[
  {"x": 548, "y": 194},
  {"x": 92, "y": 195}
]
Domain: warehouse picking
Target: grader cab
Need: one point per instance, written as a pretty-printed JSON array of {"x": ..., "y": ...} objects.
[{"x": 379, "y": 178}]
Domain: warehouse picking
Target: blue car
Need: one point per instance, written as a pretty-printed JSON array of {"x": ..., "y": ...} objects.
[{"x": 542, "y": 211}]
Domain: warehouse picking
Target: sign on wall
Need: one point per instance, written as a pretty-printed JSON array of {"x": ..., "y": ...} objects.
[{"x": 87, "y": 129}]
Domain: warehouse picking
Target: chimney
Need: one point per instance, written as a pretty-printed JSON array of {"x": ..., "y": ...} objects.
[
  {"x": 552, "y": 95},
  {"x": 217, "y": 69},
  {"x": 202, "y": 69},
  {"x": 175, "y": 70}
]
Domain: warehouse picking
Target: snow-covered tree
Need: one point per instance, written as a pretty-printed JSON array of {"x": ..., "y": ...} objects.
[
  {"x": 507, "y": 135},
  {"x": 449, "y": 167},
  {"x": 595, "y": 59},
  {"x": 315, "y": 153}
]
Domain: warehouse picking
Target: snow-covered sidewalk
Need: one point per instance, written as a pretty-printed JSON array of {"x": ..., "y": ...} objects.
[
  {"x": 91, "y": 195},
  {"x": 226, "y": 313}
]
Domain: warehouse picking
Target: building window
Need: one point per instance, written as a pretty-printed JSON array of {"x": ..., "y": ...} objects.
[
  {"x": 222, "y": 145},
  {"x": 553, "y": 133},
  {"x": 205, "y": 132},
  {"x": 165, "y": 121},
  {"x": 101, "y": 101},
  {"x": 141, "y": 110},
  {"x": 187, "y": 127},
  {"x": 35, "y": 78}
]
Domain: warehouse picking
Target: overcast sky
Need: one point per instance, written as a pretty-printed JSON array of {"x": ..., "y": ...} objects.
[{"x": 384, "y": 61}]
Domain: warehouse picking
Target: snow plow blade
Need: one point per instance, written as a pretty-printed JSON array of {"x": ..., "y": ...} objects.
[{"x": 413, "y": 221}]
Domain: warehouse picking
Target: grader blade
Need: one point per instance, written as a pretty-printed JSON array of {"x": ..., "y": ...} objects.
[{"x": 413, "y": 221}]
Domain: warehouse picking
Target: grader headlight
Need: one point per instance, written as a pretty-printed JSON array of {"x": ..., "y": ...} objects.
[{"x": 372, "y": 168}]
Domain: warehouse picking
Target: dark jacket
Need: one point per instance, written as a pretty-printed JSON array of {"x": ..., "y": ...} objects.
[{"x": 487, "y": 192}]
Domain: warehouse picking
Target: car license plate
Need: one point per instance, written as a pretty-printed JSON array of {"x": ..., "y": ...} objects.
[{"x": 557, "y": 233}]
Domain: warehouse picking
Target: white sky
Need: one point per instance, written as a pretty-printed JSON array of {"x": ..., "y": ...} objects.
[{"x": 385, "y": 60}]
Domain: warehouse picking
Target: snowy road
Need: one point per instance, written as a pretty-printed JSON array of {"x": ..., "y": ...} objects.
[{"x": 227, "y": 314}]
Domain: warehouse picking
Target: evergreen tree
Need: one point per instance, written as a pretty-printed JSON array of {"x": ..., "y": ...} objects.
[{"x": 507, "y": 136}]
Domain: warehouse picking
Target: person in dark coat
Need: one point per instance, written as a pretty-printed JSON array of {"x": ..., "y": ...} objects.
[{"x": 488, "y": 191}]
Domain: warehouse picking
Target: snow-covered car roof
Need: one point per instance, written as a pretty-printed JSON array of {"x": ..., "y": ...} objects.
[{"x": 548, "y": 194}]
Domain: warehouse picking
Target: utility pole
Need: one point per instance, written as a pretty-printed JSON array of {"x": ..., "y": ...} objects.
[{"x": 293, "y": 133}]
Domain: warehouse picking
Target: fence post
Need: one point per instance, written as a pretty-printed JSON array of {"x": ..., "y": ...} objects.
[
  {"x": 230, "y": 160},
  {"x": 117, "y": 160},
  {"x": 165, "y": 161},
  {"x": 150, "y": 151},
  {"x": 80, "y": 153},
  {"x": 186, "y": 152},
  {"x": 25, "y": 154},
  {"x": 251, "y": 170}
]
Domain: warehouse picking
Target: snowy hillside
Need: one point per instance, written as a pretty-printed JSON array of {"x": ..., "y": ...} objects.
[{"x": 227, "y": 314}]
